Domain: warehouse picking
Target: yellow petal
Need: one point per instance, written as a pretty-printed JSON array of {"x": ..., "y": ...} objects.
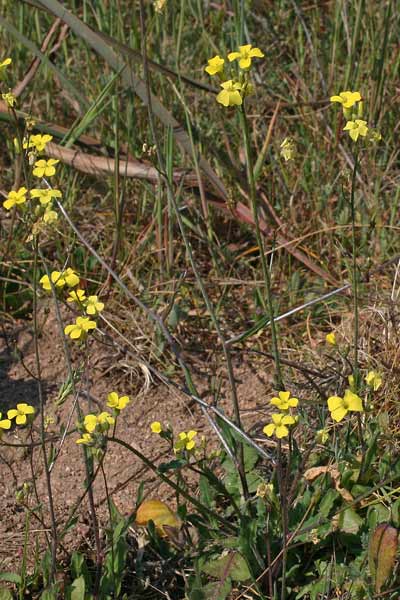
[
  {"x": 338, "y": 414},
  {"x": 334, "y": 402},
  {"x": 269, "y": 429},
  {"x": 159, "y": 513},
  {"x": 282, "y": 431}
]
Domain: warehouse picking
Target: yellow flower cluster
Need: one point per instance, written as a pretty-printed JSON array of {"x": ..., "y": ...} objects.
[
  {"x": 283, "y": 420},
  {"x": 237, "y": 87},
  {"x": 35, "y": 144},
  {"x": 185, "y": 441},
  {"x": 353, "y": 108},
  {"x": 22, "y": 415},
  {"x": 95, "y": 427},
  {"x": 89, "y": 305}
]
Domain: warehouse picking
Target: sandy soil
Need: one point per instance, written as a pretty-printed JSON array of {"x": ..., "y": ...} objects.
[{"x": 123, "y": 471}]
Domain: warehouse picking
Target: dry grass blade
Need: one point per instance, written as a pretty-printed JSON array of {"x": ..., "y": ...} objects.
[{"x": 100, "y": 165}]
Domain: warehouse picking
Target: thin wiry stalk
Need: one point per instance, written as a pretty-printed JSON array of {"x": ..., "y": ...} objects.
[
  {"x": 260, "y": 242},
  {"x": 54, "y": 534}
]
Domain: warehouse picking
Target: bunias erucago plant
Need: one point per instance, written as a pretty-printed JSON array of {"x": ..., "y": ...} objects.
[{"x": 235, "y": 86}]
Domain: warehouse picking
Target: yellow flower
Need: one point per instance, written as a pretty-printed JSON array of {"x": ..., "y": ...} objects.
[
  {"x": 245, "y": 54},
  {"x": 38, "y": 141},
  {"x": 3, "y": 65},
  {"x": 278, "y": 425},
  {"x": 86, "y": 439},
  {"x": 322, "y": 436},
  {"x": 77, "y": 296},
  {"x": 59, "y": 279},
  {"x": 374, "y": 380},
  {"x": 116, "y": 402},
  {"x": 80, "y": 328},
  {"x": 20, "y": 413},
  {"x": 45, "y": 196},
  {"x": 339, "y": 407},
  {"x": 50, "y": 216},
  {"x": 90, "y": 423},
  {"x": 104, "y": 419},
  {"x": 4, "y": 423},
  {"x": 287, "y": 149},
  {"x": 15, "y": 197},
  {"x": 215, "y": 65},
  {"x": 71, "y": 278},
  {"x": 356, "y": 128},
  {"x": 45, "y": 168},
  {"x": 156, "y": 427},
  {"x": 9, "y": 98},
  {"x": 284, "y": 401},
  {"x": 347, "y": 99},
  {"x": 93, "y": 306},
  {"x": 231, "y": 94},
  {"x": 330, "y": 339},
  {"x": 185, "y": 441}
]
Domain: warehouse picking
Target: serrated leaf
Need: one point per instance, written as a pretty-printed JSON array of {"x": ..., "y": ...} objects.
[
  {"x": 231, "y": 564},
  {"x": 382, "y": 551}
]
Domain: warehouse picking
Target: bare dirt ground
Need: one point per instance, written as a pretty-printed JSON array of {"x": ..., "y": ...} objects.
[{"x": 124, "y": 472}]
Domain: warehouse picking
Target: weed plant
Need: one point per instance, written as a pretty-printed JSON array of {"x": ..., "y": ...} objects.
[{"x": 180, "y": 176}]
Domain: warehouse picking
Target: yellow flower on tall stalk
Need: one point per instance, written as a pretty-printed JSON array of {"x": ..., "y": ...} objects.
[
  {"x": 374, "y": 380},
  {"x": 15, "y": 197},
  {"x": 3, "y": 65},
  {"x": 245, "y": 55},
  {"x": 279, "y": 425},
  {"x": 339, "y": 407},
  {"x": 185, "y": 441},
  {"x": 156, "y": 427},
  {"x": 230, "y": 94},
  {"x": 45, "y": 196},
  {"x": 60, "y": 279},
  {"x": 9, "y": 99},
  {"x": 93, "y": 305},
  {"x": 79, "y": 329},
  {"x": 215, "y": 65},
  {"x": 77, "y": 296},
  {"x": 116, "y": 402},
  {"x": 330, "y": 339},
  {"x": 4, "y": 423},
  {"x": 288, "y": 149},
  {"x": 21, "y": 413},
  {"x": 356, "y": 128},
  {"x": 38, "y": 141},
  {"x": 50, "y": 216},
  {"x": 347, "y": 99},
  {"x": 284, "y": 401},
  {"x": 45, "y": 168},
  {"x": 86, "y": 439}
]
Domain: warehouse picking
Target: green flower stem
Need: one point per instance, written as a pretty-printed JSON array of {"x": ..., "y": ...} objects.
[
  {"x": 284, "y": 517},
  {"x": 355, "y": 270},
  {"x": 260, "y": 242},
  {"x": 54, "y": 533},
  {"x": 356, "y": 313}
]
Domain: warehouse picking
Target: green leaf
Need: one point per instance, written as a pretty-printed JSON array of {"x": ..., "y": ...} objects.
[
  {"x": 11, "y": 577},
  {"x": 327, "y": 502},
  {"x": 231, "y": 564},
  {"x": 217, "y": 590},
  {"x": 5, "y": 594},
  {"x": 78, "y": 589},
  {"x": 350, "y": 521},
  {"x": 382, "y": 551}
]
